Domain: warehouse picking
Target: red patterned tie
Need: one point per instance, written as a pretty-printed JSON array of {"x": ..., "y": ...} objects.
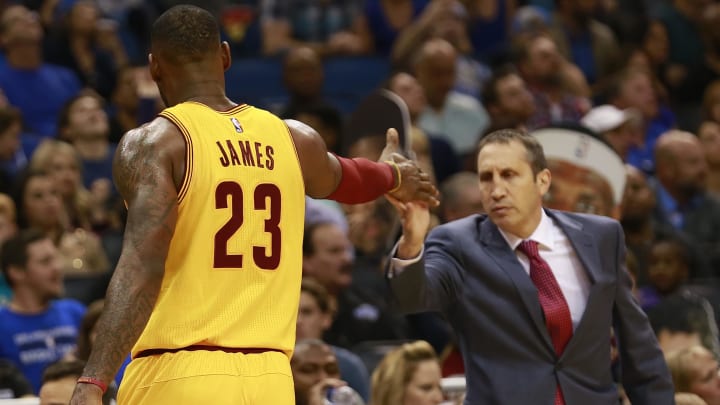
[{"x": 557, "y": 312}]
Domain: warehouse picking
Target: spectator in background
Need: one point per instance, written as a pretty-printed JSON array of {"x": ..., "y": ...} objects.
[
  {"x": 434, "y": 155},
  {"x": 36, "y": 328},
  {"x": 325, "y": 26},
  {"x": 546, "y": 74},
  {"x": 460, "y": 196},
  {"x": 709, "y": 134},
  {"x": 408, "y": 375},
  {"x": 361, "y": 316},
  {"x": 89, "y": 46},
  {"x": 683, "y": 202},
  {"x": 327, "y": 256},
  {"x": 12, "y": 157},
  {"x": 59, "y": 381},
  {"x": 457, "y": 118},
  {"x": 508, "y": 99},
  {"x": 382, "y": 21},
  {"x": 711, "y": 102},
  {"x": 621, "y": 129},
  {"x": 8, "y": 229},
  {"x": 448, "y": 20},
  {"x": 87, "y": 335},
  {"x": 634, "y": 88},
  {"x": 686, "y": 398},
  {"x": 315, "y": 316},
  {"x": 84, "y": 123},
  {"x": 687, "y": 72},
  {"x": 303, "y": 76},
  {"x": 315, "y": 370},
  {"x": 652, "y": 53},
  {"x": 13, "y": 383},
  {"x": 641, "y": 228},
  {"x": 586, "y": 42},
  {"x": 61, "y": 161},
  {"x": 695, "y": 370},
  {"x": 37, "y": 88},
  {"x": 125, "y": 104},
  {"x": 682, "y": 320},
  {"x": 40, "y": 207},
  {"x": 489, "y": 26}
]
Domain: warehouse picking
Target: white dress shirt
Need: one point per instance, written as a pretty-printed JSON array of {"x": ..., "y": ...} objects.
[{"x": 556, "y": 250}]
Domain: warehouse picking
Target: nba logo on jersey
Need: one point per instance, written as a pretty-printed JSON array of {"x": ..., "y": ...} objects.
[{"x": 236, "y": 124}]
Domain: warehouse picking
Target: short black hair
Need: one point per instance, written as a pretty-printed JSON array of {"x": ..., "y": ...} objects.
[
  {"x": 18, "y": 193},
  {"x": 319, "y": 293},
  {"x": 535, "y": 153},
  {"x": 308, "y": 246},
  {"x": 63, "y": 369},
  {"x": 490, "y": 94},
  {"x": 14, "y": 250},
  {"x": 13, "y": 380},
  {"x": 73, "y": 369},
  {"x": 8, "y": 116},
  {"x": 185, "y": 33},
  {"x": 64, "y": 114}
]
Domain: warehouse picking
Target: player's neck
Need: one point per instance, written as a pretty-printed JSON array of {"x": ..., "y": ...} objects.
[
  {"x": 216, "y": 102},
  {"x": 210, "y": 92}
]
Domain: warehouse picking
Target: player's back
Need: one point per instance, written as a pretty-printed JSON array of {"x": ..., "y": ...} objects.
[{"x": 232, "y": 276}]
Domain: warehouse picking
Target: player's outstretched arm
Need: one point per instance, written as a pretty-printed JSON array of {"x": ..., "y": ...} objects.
[
  {"x": 359, "y": 180},
  {"x": 145, "y": 169}
]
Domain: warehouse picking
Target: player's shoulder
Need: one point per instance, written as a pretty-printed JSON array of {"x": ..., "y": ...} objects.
[
  {"x": 303, "y": 135},
  {"x": 160, "y": 136},
  {"x": 151, "y": 132}
]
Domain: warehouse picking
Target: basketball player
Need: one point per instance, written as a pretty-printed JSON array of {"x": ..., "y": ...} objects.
[{"x": 205, "y": 293}]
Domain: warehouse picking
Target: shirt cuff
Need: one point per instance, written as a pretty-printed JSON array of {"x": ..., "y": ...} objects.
[{"x": 397, "y": 265}]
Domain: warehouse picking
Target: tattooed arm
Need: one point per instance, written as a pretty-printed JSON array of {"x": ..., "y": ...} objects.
[{"x": 148, "y": 167}]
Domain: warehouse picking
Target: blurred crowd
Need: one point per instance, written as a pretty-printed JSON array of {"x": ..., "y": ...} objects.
[{"x": 641, "y": 76}]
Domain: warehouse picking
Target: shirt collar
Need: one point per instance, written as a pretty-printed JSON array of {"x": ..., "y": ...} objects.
[{"x": 543, "y": 234}]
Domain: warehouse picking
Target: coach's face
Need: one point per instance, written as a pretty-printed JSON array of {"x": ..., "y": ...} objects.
[{"x": 511, "y": 194}]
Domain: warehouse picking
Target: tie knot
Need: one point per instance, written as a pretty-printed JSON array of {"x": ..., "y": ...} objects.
[{"x": 529, "y": 248}]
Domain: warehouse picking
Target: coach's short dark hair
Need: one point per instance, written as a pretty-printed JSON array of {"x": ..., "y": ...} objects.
[
  {"x": 185, "y": 33},
  {"x": 535, "y": 153}
]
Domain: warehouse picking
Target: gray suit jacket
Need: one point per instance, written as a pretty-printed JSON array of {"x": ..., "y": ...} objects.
[{"x": 470, "y": 274}]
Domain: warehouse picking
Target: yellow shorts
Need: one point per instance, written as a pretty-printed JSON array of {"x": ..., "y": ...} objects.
[{"x": 208, "y": 377}]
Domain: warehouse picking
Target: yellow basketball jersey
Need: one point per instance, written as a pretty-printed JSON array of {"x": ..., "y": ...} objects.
[{"x": 232, "y": 276}]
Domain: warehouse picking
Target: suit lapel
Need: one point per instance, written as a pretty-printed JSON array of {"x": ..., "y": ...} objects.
[
  {"x": 581, "y": 241},
  {"x": 506, "y": 259},
  {"x": 588, "y": 253}
]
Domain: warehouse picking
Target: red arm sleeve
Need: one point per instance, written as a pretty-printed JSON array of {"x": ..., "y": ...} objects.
[{"x": 363, "y": 180}]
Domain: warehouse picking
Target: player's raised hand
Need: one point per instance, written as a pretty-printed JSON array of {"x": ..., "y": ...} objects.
[{"x": 415, "y": 185}]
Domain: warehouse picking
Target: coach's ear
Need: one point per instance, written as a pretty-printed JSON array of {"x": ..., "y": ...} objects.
[
  {"x": 225, "y": 54},
  {"x": 543, "y": 179}
]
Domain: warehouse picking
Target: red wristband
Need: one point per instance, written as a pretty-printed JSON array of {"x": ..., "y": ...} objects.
[
  {"x": 363, "y": 180},
  {"x": 93, "y": 381}
]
